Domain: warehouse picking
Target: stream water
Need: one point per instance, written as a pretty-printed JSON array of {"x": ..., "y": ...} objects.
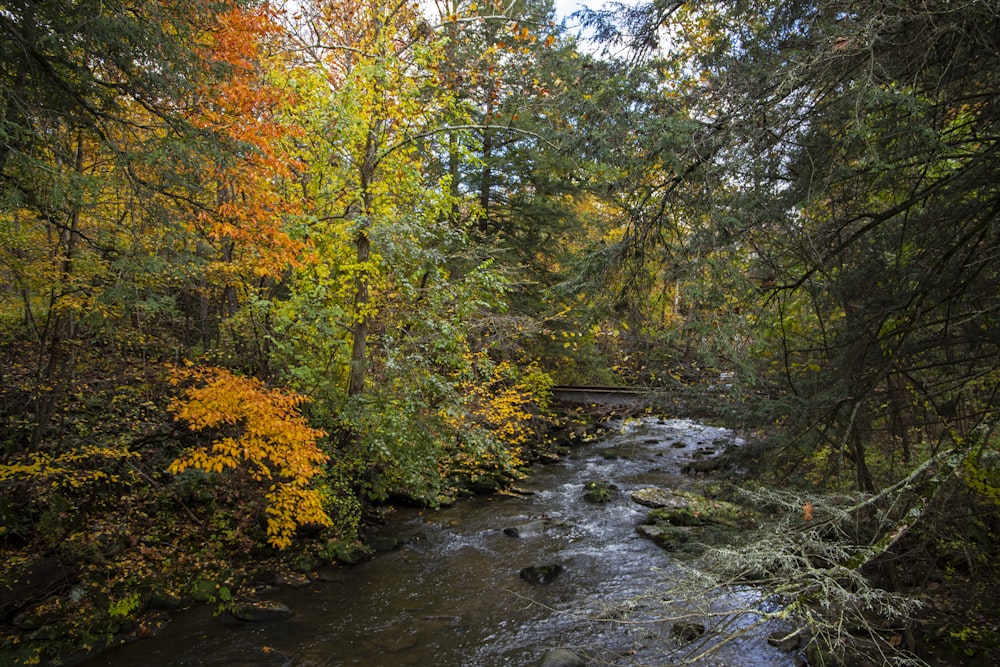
[{"x": 452, "y": 594}]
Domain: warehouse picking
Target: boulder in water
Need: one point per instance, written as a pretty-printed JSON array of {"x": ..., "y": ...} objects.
[
  {"x": 561, "y": 657},
  {"x": 671, "y": 538},
  {"x": 531, "y": 528},
  {"x": 704, "y": 466},
  {"x": 656, "y": 498},
  {"x": 680, "y": 508},
  {"x": 253, "y": 611},
  {"x": 599, "y": 492},
  {"x": 538, "y": 575}
]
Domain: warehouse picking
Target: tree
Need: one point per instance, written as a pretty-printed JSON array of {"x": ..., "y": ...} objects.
[
  {"x": 855, "y": 150},
  {"x": 272, "y": 443}
]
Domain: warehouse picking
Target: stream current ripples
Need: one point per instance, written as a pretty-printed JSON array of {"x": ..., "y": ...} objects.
[{"x": 452, "y": 594}]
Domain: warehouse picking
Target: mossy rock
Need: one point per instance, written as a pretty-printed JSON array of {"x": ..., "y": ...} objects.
[
  {"x": 478, "y": 485},
  {"x": 670, "y": 538},
  {"x": 348, "y": 552},
  {"x": 656, "y": 497},
  {"x": 675, "y": 516},
  {"x": 682, "y": 508},
  {"x": 203, "y": 590},
  {"x": 599, "y": 492},
  {"x": 164, "y": 601}
]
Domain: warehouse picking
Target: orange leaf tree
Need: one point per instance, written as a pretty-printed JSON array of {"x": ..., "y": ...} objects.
[{"x": 262, "y": 433}]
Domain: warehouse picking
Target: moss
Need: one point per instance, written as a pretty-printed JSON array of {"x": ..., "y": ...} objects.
[{"x": 598, "y": 492}]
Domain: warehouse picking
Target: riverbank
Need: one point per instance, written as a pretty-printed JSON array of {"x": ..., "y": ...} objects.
[
  {"x": 492, "y": 580},
  {"x": 672, "y": 501},
  {"x": 61, "y": 604}
]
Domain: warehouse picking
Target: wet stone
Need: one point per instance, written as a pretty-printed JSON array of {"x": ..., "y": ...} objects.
[
  {"x": 705, "y": 466},
  {"x": 293, "y": 580},
  {"x": 530, "y": 529},
  {"x": 657, "y": 498},
  {"x": 539, "y": 575},
  {"x": 561, "y": 657},
  {"x": 670, "y": 538},
  {"x": 599, "y": 492},
  {"x": 253, "y": 611}
]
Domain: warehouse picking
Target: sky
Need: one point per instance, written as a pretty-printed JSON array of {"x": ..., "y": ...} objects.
[{"x": 566, "y": 7}]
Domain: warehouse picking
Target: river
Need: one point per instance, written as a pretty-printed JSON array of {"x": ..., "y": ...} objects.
[{"x": 453, "y": 594}]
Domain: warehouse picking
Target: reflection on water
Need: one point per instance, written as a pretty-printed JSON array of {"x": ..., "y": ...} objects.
[{"x": 453, "y": 594}]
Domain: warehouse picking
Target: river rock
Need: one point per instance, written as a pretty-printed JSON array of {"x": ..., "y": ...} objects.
[
  {"x": 531, "y": 528},
  {"x": 599, "y": 492},
  {"x": 293, "y": 580},
  {"x": 348, "y": 552},
  {"x": 670, "y": 538},
  {"x": 656, "y": 498},
  {"x": 164, "y": 601},
  {"x": 681, "y": 508},
  {"x": 675, "y": 516},
  {"x": 705, "y": 466},
  {"x": 561, "y": 657},
  {"x": 253, "y": 611},
  {"x": 538, "y": 575}
]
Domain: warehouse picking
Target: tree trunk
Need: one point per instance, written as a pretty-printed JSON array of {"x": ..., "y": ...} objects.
[
  {"x": 362, "y": 243},
  {"x": 359, "y": 346},
  {"x": 486, "y": 176}
]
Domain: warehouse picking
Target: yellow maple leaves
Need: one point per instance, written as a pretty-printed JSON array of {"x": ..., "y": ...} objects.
[
  {"x": 500, "y": 397},
  {"x": 265, "y": 435}
]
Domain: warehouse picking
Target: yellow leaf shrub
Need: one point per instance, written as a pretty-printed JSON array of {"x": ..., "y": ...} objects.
[
  {"x": 500, "y": 397},
  {"x": 272, "y": 442}
]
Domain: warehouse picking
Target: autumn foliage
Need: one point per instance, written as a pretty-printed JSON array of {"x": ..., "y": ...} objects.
[{"x": 260, "y": 433}]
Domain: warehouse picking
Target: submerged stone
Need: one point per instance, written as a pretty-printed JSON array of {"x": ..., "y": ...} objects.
[
  {"x": 541, "y": 574},
  {"x": 561, "y": 657},
  {"x": 530, "y": 529},
  {"x": 253, "y": 611}
]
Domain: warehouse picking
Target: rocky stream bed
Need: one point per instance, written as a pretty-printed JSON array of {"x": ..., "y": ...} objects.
[{"x": 586, "y": 562}]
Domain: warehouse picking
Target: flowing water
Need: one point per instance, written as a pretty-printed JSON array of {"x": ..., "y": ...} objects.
[{"x": 452, "y": 594}]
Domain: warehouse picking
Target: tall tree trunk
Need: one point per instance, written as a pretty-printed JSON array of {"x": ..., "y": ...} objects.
[
  {"x": 359, "y": 344},
  {"x": 362, "y": 244},
  {"x": 486, "y": 176}
]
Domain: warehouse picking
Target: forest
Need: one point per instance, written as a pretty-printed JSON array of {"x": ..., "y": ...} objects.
[{"x": 268, "y": 266}]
